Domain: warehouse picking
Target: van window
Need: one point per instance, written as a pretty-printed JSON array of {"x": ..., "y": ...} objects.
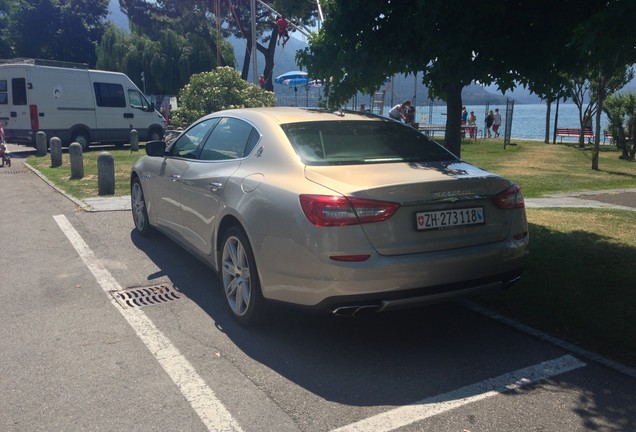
[
  {"x": 109, "y": 95},
  {"x": 137, "y": 100},
  {"x": 4, "y": 96},
  {"x": 18, "y": 85}
]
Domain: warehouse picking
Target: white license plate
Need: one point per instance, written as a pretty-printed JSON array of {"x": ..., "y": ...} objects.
[{"x": 450, "y": 218}]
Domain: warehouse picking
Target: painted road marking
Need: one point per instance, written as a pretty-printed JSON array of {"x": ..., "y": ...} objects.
[
  {"x": 439, "y": 404},
  {"x": 201, "y": 397}
]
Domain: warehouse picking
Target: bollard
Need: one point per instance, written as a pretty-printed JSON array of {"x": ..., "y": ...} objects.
[
  {"x": 40, "y": 143},
  {"x": 77, "y": 161},
  {"x": 105, "y": 174},
  {"x": 134, "y": 140},
  {"x": 56, "y": 152}
]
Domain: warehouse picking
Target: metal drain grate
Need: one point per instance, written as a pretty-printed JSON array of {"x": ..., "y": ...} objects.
[
  {"x": 9, "y": 170},
  {"x": 145, "y": 296}
]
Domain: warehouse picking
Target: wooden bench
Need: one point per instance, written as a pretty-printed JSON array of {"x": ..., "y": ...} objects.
[
  {"x": 608, "y": 136},
  {"x": 574, "y": 133}
]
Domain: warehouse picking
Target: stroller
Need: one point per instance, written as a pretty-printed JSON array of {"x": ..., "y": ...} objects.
[{"x": 5, "y": 155}]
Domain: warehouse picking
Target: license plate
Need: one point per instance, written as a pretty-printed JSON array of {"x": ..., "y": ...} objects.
[{"x": 450, "y": 218}]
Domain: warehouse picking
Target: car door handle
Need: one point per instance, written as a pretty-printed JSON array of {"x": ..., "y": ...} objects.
[
  {"x": 215, "y": 186},
  {"x": 129, "y": 115},
  {"x": 175, "y": 177}
]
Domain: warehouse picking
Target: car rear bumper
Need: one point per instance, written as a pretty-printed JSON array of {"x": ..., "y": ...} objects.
[{"x": 396, "y": 281}]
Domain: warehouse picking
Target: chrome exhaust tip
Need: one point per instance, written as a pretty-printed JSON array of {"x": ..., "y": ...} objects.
[{"x": 355, "y": 311}]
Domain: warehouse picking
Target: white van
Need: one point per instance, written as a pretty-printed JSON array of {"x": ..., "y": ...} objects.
[{"x": 73, "y": 103}]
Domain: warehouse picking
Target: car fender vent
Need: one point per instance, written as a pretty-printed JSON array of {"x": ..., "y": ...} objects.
[{"x": 145, "y": 296}]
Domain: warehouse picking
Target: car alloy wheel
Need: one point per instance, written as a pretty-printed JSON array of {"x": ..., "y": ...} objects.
[
  {"x": 139, "y": 212},
  {"x": 240, "y": 278}
]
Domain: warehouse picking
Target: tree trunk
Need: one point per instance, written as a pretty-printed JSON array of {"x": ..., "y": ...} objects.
[
  {"x": 247, "y": 59},
  {"x": 269, "y": 59},
  {"x": 453, "y": 118},
  {"x": 547, "y": 121},
  {"x": 597, "y": 131}
]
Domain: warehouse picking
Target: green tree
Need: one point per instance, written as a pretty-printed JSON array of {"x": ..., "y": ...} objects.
[
  {"x": 66, "y": 30},
  {"x": 234, "y": 18},
  {"x": 509, "y": 43},
  {"x": 220, "y": 89},
  {"x": 167, "y": 62},
  {"x": 621, "y": 116}
]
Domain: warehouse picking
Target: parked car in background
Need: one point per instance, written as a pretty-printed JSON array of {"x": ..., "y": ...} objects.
[{"x": 339, "y": 211}]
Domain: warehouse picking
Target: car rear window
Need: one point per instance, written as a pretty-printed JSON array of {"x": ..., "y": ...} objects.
[{"x": 362, "y": 142}]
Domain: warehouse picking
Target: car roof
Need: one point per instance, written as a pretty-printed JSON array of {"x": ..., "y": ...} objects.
[{"x": 284, "y": 115}]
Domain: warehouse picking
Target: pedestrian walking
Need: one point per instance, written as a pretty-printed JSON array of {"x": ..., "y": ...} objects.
[{"x": 496, "y": 122}]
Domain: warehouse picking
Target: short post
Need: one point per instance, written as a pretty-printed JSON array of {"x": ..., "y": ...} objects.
[
  {"x": 56, "y": 152},
  {"x": 77, "y": 161},
  {"x": 134, "y": 140},
  {"x": 40, "y": 143},
  {"x": 105, "y": 174}
]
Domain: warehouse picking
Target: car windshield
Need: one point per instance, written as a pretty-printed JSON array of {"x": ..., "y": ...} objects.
[{"x": 362, "y": 142}]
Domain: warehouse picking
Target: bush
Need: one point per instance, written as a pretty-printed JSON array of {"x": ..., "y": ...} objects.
[{"x": 220, "y": 89}]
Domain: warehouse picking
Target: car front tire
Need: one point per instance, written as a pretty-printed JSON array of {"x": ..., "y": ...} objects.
[
  {"x": 139, "y": 211},
  {"x": 239, "y": 277}
]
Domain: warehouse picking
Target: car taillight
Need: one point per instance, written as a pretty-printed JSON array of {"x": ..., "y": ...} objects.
[
  {"x": 327, "y": 210},
  {"x": 510, "y": 198},
  {"x": 35, "y": 120}
]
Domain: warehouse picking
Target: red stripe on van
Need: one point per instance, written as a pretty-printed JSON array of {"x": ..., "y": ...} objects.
[{"x": 35, "y": 121}]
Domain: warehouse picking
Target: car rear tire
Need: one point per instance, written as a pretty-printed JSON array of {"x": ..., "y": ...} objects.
[
  {"x": 139, "y": 212},
  {"x": 239, "y": 278}
]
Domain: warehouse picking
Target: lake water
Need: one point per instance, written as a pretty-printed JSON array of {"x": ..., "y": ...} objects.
[{"x": 528, "y": 120}]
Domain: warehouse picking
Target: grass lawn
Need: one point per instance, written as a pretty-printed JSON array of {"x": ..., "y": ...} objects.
[
  {"x": 580, "y": 283},
  {"x": 542, "y": 169},
  {"x": 87, "y": 186}
]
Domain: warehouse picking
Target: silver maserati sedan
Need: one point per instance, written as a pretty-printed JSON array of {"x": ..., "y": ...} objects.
[{"x": 344, "y": 212}]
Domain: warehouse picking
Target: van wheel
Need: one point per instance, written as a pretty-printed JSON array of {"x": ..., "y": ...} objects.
[
  {"x": 155, "y": 135},
  {"x": 82, "y": 139}
]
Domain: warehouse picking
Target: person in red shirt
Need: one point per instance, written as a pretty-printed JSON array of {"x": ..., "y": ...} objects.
[{"x": 281, "y": 24}]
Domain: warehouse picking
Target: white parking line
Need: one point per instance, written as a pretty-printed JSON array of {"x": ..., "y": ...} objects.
[
  {"x": 435, "y": 405},
  {"x": 202, "y": 399}
]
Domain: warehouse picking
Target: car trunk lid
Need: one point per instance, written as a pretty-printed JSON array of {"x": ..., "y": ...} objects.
[{"x": 444, "y": 206}]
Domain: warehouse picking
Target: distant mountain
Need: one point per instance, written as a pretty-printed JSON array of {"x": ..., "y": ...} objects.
[{"x": 116, "y": 15}]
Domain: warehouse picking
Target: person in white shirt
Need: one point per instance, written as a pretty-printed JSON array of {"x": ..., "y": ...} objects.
[{"x": 496, "y": 123}]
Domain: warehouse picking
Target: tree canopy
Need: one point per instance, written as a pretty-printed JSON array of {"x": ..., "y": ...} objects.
[
  {"x": 509, "y": 43},
  {"x": 232, "y": 18},
  {"x": 65, "y": 30}
]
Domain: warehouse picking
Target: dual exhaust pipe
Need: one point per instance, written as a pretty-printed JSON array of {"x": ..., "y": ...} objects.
[{"x": 356, "y": 310}]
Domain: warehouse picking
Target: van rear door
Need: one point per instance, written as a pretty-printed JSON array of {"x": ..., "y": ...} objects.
[{"x": 15, "y": 114}]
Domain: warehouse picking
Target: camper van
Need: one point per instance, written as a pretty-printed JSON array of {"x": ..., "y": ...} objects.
[{"x": 74, "y": 103}]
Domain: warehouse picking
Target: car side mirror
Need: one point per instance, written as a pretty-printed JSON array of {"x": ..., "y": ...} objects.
[{"x": 156, "y": 148}]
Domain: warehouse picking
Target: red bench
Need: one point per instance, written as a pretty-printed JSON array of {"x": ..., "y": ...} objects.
[
  {"x": 574, "y": 133},
  {"x": 608, "y": 136}
]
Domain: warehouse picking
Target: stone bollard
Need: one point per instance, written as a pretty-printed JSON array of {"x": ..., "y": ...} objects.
[
  {"x": 105, "y": 174},
  {"x": 40, "y": 143},
  {"x": 56, "y": 152},
  {"x": 77, "y": 161},
  {"x": 134, "y": 140}
]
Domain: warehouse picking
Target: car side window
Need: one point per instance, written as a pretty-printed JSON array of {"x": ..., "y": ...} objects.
[
  {"x": 230, "y": 139},
  {"x": 187, "y": 144}
]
